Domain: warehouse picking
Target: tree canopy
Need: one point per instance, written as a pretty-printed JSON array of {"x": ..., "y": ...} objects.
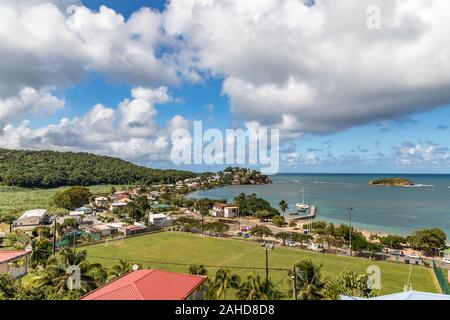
[
  {"x": 50, "y": 169},
  {"x": 72, "y": 198}
]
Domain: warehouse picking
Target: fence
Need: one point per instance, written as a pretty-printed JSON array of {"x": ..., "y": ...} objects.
[{"x": 443, "y": 282}]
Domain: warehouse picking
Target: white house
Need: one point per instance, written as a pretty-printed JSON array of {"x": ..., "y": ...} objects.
[
  {"x": 158, "y": 219},
  {"x": 222, "y": 210},
  {"x": 230, "y": 212},
  {"x": 81, "y": 211},
  {"x": 117, "y": 206},
  {"x": 101, "y": 202},
  {"x": 31, "y": 218}
]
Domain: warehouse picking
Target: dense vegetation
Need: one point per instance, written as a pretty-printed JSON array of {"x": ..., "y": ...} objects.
[
  {"x": 251, "y": 205},
  {"x": 72, "y": 198},
  {"x": 50, "y": 169}
]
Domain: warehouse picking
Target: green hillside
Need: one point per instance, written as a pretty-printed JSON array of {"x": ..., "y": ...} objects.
[{"x": 50, "y": 169}]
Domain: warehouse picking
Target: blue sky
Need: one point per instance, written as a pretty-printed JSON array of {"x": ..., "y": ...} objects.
[{"x": 339, "y": 110}]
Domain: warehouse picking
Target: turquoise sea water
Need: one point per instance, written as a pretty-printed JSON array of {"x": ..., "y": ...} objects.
[{"x": 376, "y": 208}]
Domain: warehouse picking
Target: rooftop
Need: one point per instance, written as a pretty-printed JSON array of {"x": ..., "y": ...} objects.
[
  {"x": 158, "y": 215},
  {"x": 407, "y": 295},
  {"x": 40, "y": 213},
  {"x": 148, "y": 285},
  {"x": 8, "y": 255}
]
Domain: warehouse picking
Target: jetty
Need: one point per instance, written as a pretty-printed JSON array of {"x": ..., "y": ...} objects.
[{"x": 311, "y": 215}]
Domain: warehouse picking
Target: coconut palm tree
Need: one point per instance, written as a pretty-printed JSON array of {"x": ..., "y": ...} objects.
[
  {"x": 283, "y": 206},
  {"x": 61, "y": 272},
  {"x": 223, "y": 280},
  {"x": 257, "y": 289},
  {"x": 41, "y": 251},
  {"x": 197, "y": 270},
  {"x": 348, "y": 284},
  {"x": 309, "y": 282},
  {"x": 118, "y": 270}
]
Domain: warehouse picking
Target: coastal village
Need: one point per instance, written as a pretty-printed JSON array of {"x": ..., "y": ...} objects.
[{"x": 139, "y": 210}]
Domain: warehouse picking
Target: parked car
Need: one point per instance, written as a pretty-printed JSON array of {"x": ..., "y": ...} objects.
[
  {"x": 446, "y": 260},
  {"x": 413, "y": 255},
  {"x": 246, "y": 235},
  {"x": 398, "y": 253}
]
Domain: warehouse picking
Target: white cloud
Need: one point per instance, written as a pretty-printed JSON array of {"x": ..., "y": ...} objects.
[
  {"x": 44, "y": 46},
  {"x": 319, "y": 67},
  {"x": 29, "y": 101},
  {"x": 128, "y": 131}
]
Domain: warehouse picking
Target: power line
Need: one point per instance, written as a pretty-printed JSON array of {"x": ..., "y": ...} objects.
[
  {"x": 178, "y": 263},
  {"x": 189, "y": 264}
]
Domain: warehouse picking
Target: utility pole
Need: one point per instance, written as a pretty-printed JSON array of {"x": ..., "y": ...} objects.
[
  {"x": 54, "y": 236},
  {"x": 294, "y": 282},
  {"x": 203, "y": 221},
  {"x": 350, "y": 228}
]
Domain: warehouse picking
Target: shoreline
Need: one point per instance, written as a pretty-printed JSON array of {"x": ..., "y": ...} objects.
[{"x": 367, "y": 232}]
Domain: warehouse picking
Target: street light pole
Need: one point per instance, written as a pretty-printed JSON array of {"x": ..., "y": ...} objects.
[
  {"x": 350, "y": 228},
  {"x": 294, "y": 282},
  {"x": 267, "y": 245},
  {"x": 267, "y": 265}
]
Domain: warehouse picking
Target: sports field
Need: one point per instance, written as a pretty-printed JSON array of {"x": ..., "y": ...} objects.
[{"x": 173, "y": 251}]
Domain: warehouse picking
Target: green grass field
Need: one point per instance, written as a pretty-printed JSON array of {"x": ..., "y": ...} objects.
[
  {"x": 188, "y": 249},
  {"x": 15, "y": 200}
]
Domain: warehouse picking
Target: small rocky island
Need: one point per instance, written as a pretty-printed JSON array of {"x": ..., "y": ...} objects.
[{"x": 395, "y": 182}]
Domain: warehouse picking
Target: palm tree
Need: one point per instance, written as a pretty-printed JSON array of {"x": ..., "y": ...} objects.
[
  {"x": 199, "y": 270},
  {"x": 61, "y": 272},
  {"x": 118, "y": 270},
  {"x": 348, "y": 284},
  {"x": 18, "y": 240},
  {"x": 256, "y": 289},
  {"x": 41, "y": 251},
  {"x": 309, "y": 283},
  {"x": 223, "y": 280},
  {"x": 283, "y": 206}
]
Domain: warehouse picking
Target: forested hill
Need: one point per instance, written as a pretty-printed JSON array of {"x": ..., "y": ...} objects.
[{"x": 49, "y": 169}]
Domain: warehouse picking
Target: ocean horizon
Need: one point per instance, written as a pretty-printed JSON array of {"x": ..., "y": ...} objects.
[{"x": 384, "y": 209}]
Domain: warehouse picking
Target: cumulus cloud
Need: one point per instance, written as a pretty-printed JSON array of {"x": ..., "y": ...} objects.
[
  {"x": 317, "y": 68},
  {"x": 29, "y": 101},
  {"x": 421, "y": 154},
  {"x": 44, "y": 45},
  {"x": 128, "y": 131}
]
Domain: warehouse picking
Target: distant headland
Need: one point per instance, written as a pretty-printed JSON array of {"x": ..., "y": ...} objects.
[{"x": 395, "y": 182}]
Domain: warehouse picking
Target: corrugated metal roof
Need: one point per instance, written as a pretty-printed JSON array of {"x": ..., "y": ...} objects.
[
  {"x": 407, "y": 295},
  {"x": 7, "y": 255},
  {"x": 148, "y": 285},
  {"x": 40, "y": 213}
]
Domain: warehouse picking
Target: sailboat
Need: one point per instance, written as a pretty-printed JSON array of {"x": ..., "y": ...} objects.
[{"x": 302, "y": 206}]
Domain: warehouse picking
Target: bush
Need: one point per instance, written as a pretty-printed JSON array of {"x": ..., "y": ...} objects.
[
  {"x": 72, "y": 198},
  {"x": 278, "y": 221}
]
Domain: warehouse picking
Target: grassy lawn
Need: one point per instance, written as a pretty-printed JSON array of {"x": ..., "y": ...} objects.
[
  {"x": 17, "y": 200},
  {"x": 187, "y": 249}
]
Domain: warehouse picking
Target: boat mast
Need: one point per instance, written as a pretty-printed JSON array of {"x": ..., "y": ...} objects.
[{"x": 303, "y": 193}]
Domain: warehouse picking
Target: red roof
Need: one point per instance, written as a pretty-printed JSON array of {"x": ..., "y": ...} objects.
[
  {"x": 148, "y": 285},
  {"x": 7, "y": 255}
]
